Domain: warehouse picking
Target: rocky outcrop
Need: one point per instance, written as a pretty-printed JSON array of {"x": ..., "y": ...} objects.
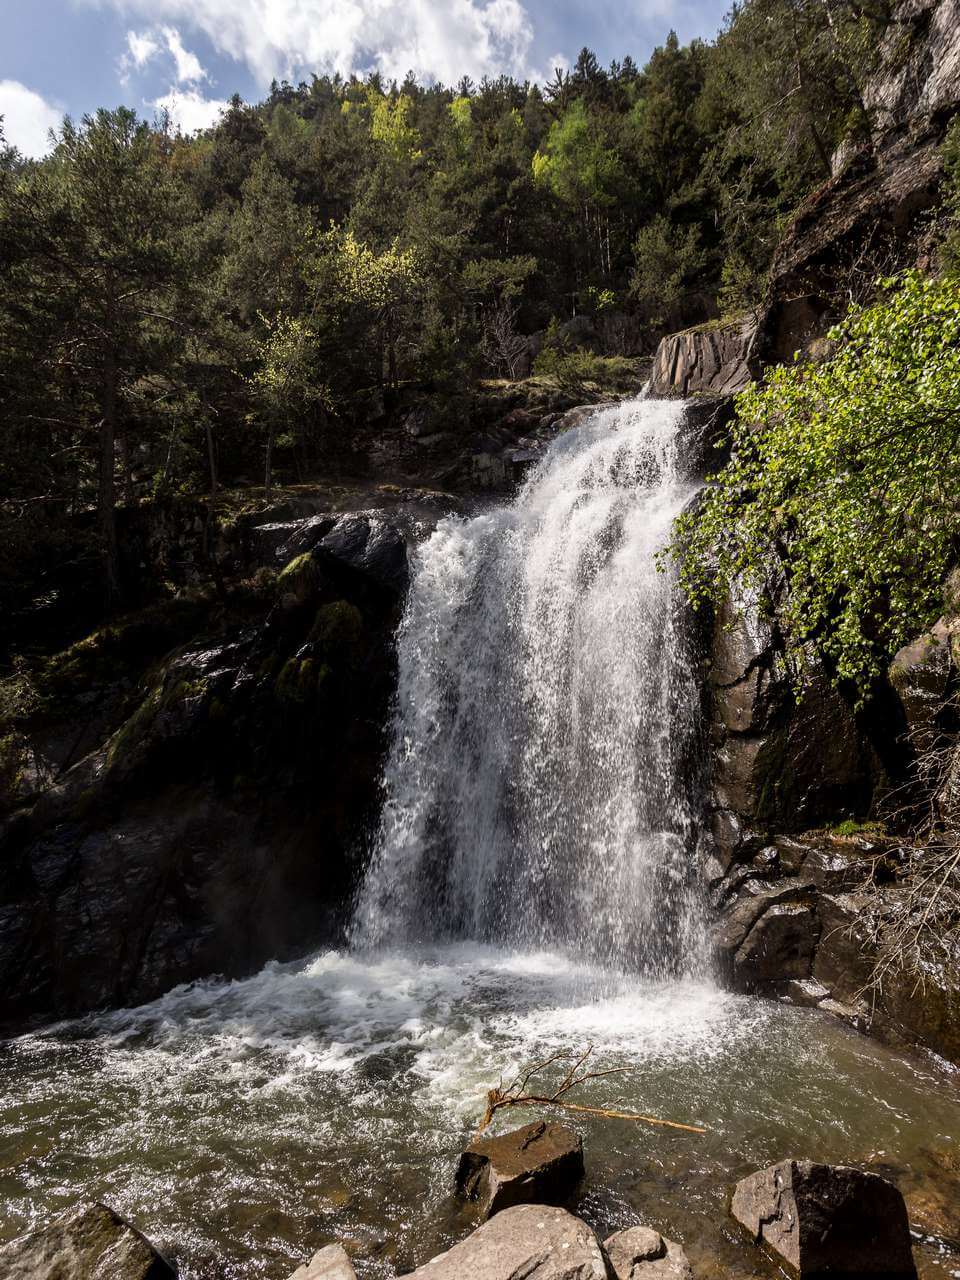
[
  {"x": 526, "y": 1240},
  {"x": 539, "y": 1164},
  {"x": 782, "y": 762},
  {"x": 92, "y": 1243},
  {"x": 868, "y": 219},
  {"x": 918, "y": 83},
  {"x": 805, "y": 918},
  {"x": 218, "y": 815},
  {"x": 804, "y": 895},
  {"x": 638, "y": 1253},
  {"x": 827, "y": 1220},
  {"x": 330, "y": 1263},
  {"x": 715, "y": 358},
  {"x": 922, "y": 675}
]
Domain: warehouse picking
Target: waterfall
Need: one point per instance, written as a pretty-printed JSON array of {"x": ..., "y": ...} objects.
[{"x": 538, "y": 790}]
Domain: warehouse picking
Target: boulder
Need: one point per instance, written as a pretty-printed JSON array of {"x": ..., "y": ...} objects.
[
  {"x": 823, "y": 1219},
  {"x": 642, "y": 1254},
  {"x": 780, "y": 946},
  {"x": 716, "y": 358},
  {"x": 920, "y": 675},
  {"x": 369, "y": 546},
  {"x": 526, "y": 1240},
  {"x": 90, "y": 1243},
  {"x": 330, "y": 1263},
  {"x": 541, "y": 1163}
]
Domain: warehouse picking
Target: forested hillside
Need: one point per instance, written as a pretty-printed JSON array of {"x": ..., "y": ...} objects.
[{"x": 184, "y": 314}]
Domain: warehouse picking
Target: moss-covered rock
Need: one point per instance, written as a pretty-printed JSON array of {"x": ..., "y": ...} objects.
[{"x": 299, "y": 579}]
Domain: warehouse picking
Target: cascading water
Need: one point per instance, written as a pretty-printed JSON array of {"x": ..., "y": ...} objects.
[
  {"x": 538, "y": 788},
  {"x": 540, "y": 803}
]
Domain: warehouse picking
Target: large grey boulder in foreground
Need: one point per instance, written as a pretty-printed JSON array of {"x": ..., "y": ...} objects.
[
  {"x": 540, "y": 1163},
  {"x": 530, "y": 1240},
  {"x": 827, "y": 1220},
  {"x": 640, "y": 1253},
  {"x": 330, "y": 1263},
  {"x": 91, "y": 1243}
]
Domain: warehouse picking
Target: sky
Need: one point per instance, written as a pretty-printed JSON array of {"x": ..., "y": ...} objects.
[{"x": 191, "y": 56}]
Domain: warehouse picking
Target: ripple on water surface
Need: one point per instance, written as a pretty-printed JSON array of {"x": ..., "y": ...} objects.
[{"x": 243, "y": 1125}]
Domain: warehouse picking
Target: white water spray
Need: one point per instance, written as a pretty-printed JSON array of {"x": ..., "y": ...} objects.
[{"x": 538, "y": 790}]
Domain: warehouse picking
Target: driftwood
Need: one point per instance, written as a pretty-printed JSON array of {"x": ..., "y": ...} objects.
[{"x": 516, "y": 1095}]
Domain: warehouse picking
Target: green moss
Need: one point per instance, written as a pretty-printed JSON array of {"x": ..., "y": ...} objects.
[
  {"x": 13, "y": 760},
  {"x": 300, "y": 577},
  {"x": 161, "y": 697},
  {"x": 134, "y": 727},
  {"x": 849, "y": 827},
  {"x": 268, "y": 667},
  {"x": 300, "y": 679},
  {"x": 337, "y": 633}
]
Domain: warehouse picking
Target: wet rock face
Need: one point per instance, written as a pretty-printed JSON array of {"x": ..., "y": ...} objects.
[
  {"x": 641, "y": 1254},
  {"x": 827, "y": 1220},
  {"x": 795, "y": 908},
  {"x": 779, "y": 763},
  {"x": 526, "y": 1240},
  {"x": 704, "y": 439},
  {"x": 222, "y": 823},
  {"x": 920, "y": 675},
  {"x": 92, "y": 1243},
  {"x": 539, "y": 1164}
]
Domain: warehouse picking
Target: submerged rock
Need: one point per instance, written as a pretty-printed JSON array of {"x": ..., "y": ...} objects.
[
  {"x": 825, "y": 1219},
  {"x": 525, "y": 1240},
  {"x": 642, "y": 1254},
  {"x": 330, "y": 1263},
  {"x": 540, "y": 1163},
  {"x": 91, "y": 1243}
]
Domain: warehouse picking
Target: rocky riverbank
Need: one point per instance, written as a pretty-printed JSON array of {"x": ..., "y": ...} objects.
[{"x": 811, "y": 1219}]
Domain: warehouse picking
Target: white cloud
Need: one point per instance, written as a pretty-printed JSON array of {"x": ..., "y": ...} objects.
[
  {"x": 437, "y": 39},
  {"x": 141, "y": 47},
  {"x": 145, "y": 46},
  {"x": 27, "y": 118},
  {"x": 189, "y": 110},
  {"x": 189, "y": 70}
]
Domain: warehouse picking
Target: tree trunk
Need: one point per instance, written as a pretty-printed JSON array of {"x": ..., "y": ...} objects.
[
  {"x": 126, "y": 469},
  {"x": 210, "y": 528},
  {"x": 107, "y": 496},
  {"x": 212, "y": 502},
  {"x": 268, "y": 468}
]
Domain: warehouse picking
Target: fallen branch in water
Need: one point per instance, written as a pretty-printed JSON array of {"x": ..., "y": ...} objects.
[{"x": 516, "y": 1095}]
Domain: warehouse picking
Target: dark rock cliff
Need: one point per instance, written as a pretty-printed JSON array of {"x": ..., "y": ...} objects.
[{"x": 223, "y": 786}]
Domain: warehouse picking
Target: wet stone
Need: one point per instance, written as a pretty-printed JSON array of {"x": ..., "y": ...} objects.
[
  {"x": 827, "y": 1220},
  {"x": 330, "y": 1263},
  {"x": 525, "y": 1240},
  {"x": 90, "y": 1243},
  {"x": 541, "y": 1163},
  {"x": 639, "y": 1253}
]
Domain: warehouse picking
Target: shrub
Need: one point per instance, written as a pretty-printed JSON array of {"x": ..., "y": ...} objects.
[{"x": 839, "y": 504}]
